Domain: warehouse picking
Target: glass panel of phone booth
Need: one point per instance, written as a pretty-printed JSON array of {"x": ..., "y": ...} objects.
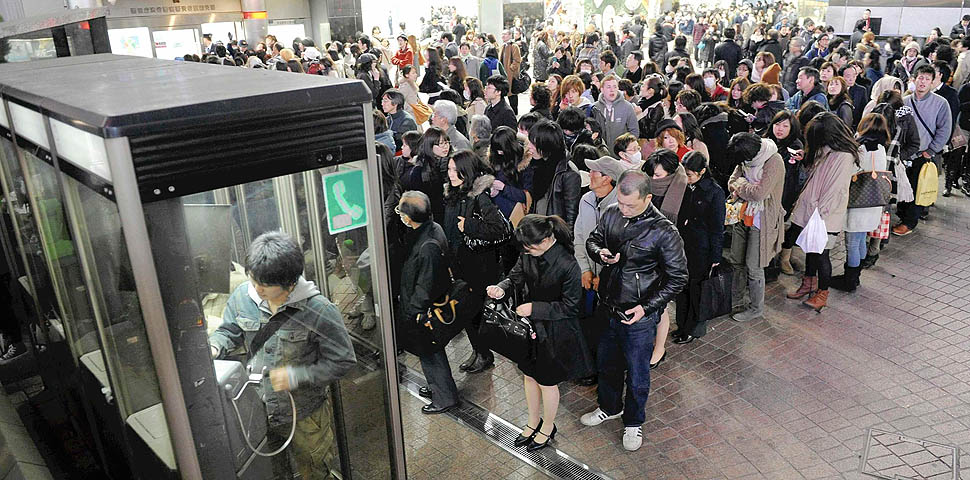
[
  {"x": 77, "y": 321},
  {"x": 357, "y": 437},
  {"x": 112, "y": 285},
  {"x": 38, "y": 277}
]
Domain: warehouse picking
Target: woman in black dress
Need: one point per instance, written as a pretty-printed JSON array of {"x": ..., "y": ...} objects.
[{"x": 551, "y": 274}]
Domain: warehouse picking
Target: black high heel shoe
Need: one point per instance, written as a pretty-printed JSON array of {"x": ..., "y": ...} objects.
[
  {"x": 524, "y": 440},
  {"x": 534, "y": 445},
  {"x": 662, "y": 358}
]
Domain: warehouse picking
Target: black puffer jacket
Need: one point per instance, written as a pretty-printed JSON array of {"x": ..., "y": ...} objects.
[
  {"x": 424, "y": 279},
  {"x": 652, "y": 267},
  {"x": 657, "y": 49}
]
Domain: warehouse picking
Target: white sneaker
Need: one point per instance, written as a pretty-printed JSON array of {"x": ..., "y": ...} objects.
[
  {"x": 632, "y": 438},
  {"x": 597, "y": 417}
]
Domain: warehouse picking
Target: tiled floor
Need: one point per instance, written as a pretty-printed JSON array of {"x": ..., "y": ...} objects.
[{"x": 788, "y": 397}]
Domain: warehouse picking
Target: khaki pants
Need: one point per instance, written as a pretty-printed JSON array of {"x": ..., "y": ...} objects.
[{"x": 314, "y": 447}]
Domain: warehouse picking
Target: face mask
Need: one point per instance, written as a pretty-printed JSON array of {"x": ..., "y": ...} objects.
[
  {"x": 634, "y": 157},
  {"x": 468, "y": 95},
  {"x": 721, "y": 73},
  {"x": 709, "y": 82},
  {"x": 584, "y": 70}
]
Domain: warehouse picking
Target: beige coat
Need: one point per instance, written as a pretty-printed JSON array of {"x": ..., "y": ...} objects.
[
  {"x": 768, "y": 190},
  {"x": 827, "y": 189},
  {"x": 476, "y": 107},
  {"x": 410, "y": 95}
]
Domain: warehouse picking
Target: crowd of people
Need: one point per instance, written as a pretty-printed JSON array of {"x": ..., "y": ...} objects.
[{"x": 648, "y": 157}]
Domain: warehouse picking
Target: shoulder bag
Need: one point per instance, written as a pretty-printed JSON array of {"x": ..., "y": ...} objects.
[
  {"x": 505, "y": 332},
  {"x": 871, "y": 188},
  {"x": 451, "y": 313},
  {"x": 483, "y": 245}
]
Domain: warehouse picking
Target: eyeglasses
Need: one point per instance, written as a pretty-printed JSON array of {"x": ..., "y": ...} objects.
[{"x": 444, "y": 142}]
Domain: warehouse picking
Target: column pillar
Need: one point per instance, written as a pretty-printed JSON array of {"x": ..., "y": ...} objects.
[
  {"x": 254, "y": 20},
  {"x": 490, "y": 16},
  {"x": 320, "y": 22}
]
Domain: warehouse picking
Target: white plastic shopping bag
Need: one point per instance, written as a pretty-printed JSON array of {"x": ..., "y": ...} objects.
[
  {"x": 814, "y": 236},
  {"x": 904, "y": 190}
]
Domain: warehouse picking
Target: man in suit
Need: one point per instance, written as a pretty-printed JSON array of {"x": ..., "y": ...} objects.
[
  {"x": 511, "y": 57},
  {"x": 729, "y": 51}
]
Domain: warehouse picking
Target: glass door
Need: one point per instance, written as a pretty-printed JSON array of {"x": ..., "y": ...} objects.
[
  {"x": 350, "y": 426},
  {"x": 176, "y": 42}
]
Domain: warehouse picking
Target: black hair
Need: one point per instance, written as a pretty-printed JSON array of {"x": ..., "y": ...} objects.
[
  {"x": 609, "y": 57},
  {"x": 366, "y": 41},
  {"x": 626, "y": 86},
  {"x": 690, "y": 99},
  {"x": 583, "y": 152},
  {"x": 637, "y": 54},
  {"x": 729, "y": 33},
  {"x": 499, "y": 82},
  {"x": 540, "y": 94},
  {"x": 944, "y": 68},
  {"x": 664, "y": 157},
  {"x": 475, "y": 88},
  {"x": 695, "y": 161},
  {"x": 533, "y": 229},
  {"x": 380, "y": 121},
  {"x": 527, "y": 121},
  {"x": 491, "y": 52},
  {"x": 505, "y": 152},
  {"x": 468, "y": 167},
  {"x": 828, "y": 130},
  {"x": 448, "y": 36},
  {"x": 274, "y": 259},
  {"x": 810, "y": 72},
  {"x": 696, "y": 83},
  {"x": 548, "y": 140},
  {"x": 594, "y": 126},
  {"x": 794, "y": 133},
  {"x": 413, "y": 140},
  {"x": 572, "y": 119},
  {"x": 396, "y": 97},
  {"x": 680, "y": 42},
  {"x": 692, "y": 128},
  {"x": 425, "y": 152},
  {"x": 808, "y": 111},
  {"x": 743, "y": 147}
]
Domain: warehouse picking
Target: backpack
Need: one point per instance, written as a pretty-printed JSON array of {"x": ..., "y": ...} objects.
[{"x": 928, "y": 184}]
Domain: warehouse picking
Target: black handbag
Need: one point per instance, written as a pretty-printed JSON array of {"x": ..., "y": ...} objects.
[
  {"x": 716, "y": 293},
  {"x": 483, "y": 245},
  {"x": 506, "y": 333},
  {"x": 871, "y": 188},
  {"x": 521, "y": 83},
  {"x": 450, "y": 315}
]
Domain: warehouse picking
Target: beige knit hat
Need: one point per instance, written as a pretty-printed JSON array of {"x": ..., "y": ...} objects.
[{"x": 911, "y": 45}]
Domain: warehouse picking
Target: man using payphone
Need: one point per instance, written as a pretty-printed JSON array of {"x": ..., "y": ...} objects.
[{"x": 295, "y": 344}]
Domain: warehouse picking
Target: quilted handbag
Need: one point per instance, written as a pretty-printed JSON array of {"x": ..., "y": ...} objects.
[
  {"x": 871, "y": 188},
  {"x": 482, "y": 245},
  {"x": 506, "y": 333}
]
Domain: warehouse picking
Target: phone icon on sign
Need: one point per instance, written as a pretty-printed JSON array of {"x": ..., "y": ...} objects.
[{"x": 351, "y": 212}]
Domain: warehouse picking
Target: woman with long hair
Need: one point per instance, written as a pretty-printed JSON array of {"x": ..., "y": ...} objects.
[
  {"x": 832, "y": 157},
  {"x": 470, "y": 213},
  {"x": 418, "y": 56},
  {"x": 432, "y": 79},
  {"x": 409, "y": 87},
  {"x": 837, "y": 92},
  {"x": 693, "y": 137},
  {"x": 701, "y": 225},
  {"x": 762, "y": 61},
  {"x": 426, "y": 170},
  {"x": 474, "y": 96},
  {"x": 549, "y": 271},
  {"x": 540, "y": 55},
  {"x": 554, "y": 83},
  {"x": 736, "y": 95},
  {"x": 873, "y": 137},
  {"x": 653, "y": 90},
  {"x": 513, "y": 180},
  {"x": 562, "y": 190},
  {"x": 456, "y": 74}
]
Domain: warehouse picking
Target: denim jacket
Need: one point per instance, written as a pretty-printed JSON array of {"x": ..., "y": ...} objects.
[{"x": 312, "y": 344}]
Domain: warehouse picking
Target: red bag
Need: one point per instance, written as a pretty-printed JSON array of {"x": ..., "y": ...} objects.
[{"x": 882, "y": 231}]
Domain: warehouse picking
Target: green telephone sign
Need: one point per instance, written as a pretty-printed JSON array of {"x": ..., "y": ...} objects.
[{"x": 345, "y": 202}]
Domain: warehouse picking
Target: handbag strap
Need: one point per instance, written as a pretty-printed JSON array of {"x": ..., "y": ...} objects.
[
  {"x": 920, "y": 117},
  {"x": 267, "y": 331}
]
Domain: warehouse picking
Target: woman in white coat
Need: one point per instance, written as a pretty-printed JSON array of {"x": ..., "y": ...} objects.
[{"x": 873, "y": 137}]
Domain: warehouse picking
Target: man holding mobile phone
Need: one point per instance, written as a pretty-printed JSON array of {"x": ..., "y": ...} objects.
[{"x": 645, "y": 267}]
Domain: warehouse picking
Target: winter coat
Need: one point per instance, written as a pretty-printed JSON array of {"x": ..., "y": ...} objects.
[
  {"x": 827, "y": 189},
  {"x": 844, "y": 111},
  {"x": 774, "y": 48},
  {"x": 482, "y": 220},
  {"x": 312, "y": 344},
  {"x": 716, "y": 136},
  {"x": 562, "y": 198},
  {"x": 675, "y": 53},
  {"x": 554, "y": 287},
  {"x": 790, "y": 72},
  {"x": 701, "y": 225},
  {"x": 491, "y": 66},
  {"x": 657, "y": 49},
  {"x": 764, "y": 116},
  {"x": 901, "y": 72},
  {"x": 424, "y": 279},
  {"x": 867, "y": 219},
  {"x": 508, "y": 197},
  {"x": 731, "y": 53},
  {"x": 795, "y": 176},
  {"x": 652, "y": 267},
  {"x": 590, "y": 211},
  {"x": 511, "y": 58},
  {"x": 501, "y": 114},
  {"x": 616, "y": 118},
  {"x": 591, "y": 53},
  {"x": 564, "y": 69},
  {"x": 768, "y": 190},
  {"x": 540, "y": 56},
  {"x": 799, "y": 98},
  {"x": 400, "y": 123},
  {"x": 425, "y": 176},
  {"x": 430, "y": 81}
]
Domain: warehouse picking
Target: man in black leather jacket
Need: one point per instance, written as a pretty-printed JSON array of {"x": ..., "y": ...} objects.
[{"x": 645, "y": 267}]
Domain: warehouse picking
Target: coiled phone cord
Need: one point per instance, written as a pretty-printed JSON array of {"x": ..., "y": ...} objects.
[{"x": 243, "y": 428}]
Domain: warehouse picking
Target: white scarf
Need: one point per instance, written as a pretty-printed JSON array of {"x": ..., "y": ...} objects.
[{"x": 753, "y": 170}]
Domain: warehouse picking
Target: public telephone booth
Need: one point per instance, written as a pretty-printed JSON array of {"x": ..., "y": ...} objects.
[{"x": 137, "y": 186}]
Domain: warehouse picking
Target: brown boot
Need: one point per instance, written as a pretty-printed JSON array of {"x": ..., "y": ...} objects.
[
  {"x": 785, "y": 262},
  {"x": 818, "y": 300},
  {"x": 809, "y": 284}
]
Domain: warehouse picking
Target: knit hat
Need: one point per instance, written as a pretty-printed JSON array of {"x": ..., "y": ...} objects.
[
  {"x": 911, "y": 45},
  {"x": 608, "y": 166},
  {"x": 665, "y": 124},
  {"x": 770, "y": 74}
]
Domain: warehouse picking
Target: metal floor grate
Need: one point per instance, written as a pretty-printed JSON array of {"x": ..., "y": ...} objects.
[
  {"x": 549, "y": 460},
  {"x": 894, "y": 456}
]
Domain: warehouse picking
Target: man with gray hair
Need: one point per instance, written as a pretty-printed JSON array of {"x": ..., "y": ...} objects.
[
  {"x": 445, "y": 116},
  {"x": 480, "y": 130},
  {"x": 424, "y": 279},
  {"x": 793, "y": 63},
  {"x": 644, "y": 268}
]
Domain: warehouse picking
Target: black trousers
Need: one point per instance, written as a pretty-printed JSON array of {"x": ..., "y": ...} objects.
[
  {"x": 9, "y": 326},
  {"x": 514, "y": 102},
  {"x": 688, "y": 306},
  {"x": 954, "y": 163}
]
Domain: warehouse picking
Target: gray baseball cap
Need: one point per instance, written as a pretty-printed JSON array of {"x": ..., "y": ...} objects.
[{"x": 608, "y": 166}]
